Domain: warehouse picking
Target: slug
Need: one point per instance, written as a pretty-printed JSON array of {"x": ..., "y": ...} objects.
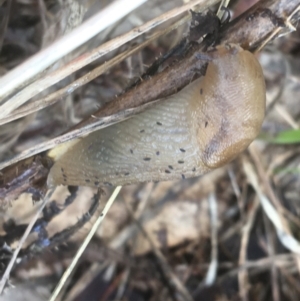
[{"x": 200, "y": 128}]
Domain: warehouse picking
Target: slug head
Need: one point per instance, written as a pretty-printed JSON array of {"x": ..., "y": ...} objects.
[{"x": 232, "y": 105}]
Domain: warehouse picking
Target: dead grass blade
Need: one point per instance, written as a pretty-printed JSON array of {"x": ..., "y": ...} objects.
[
  {"x": 38, "y": 63},
  {"x": 72, "y": 39}
]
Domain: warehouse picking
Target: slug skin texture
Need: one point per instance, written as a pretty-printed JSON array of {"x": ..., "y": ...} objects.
[{"x": 202, "y": 127}]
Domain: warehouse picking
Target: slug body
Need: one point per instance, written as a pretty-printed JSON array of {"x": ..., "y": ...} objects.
[{"x": 202, "y": 127}]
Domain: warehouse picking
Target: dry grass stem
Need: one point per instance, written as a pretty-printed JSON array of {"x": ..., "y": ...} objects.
[
  {"x": 213, "y": 266},
  {"x": 23, "y": 73},
  {"x": 273, "y": 213},
  {"x": 58, "y": 75},
  {"x": 52, "y": 98},
  {"x": 83, "y": 246}
]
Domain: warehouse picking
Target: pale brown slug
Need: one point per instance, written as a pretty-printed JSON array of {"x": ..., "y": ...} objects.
[{"x": 202, "y": 127}]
